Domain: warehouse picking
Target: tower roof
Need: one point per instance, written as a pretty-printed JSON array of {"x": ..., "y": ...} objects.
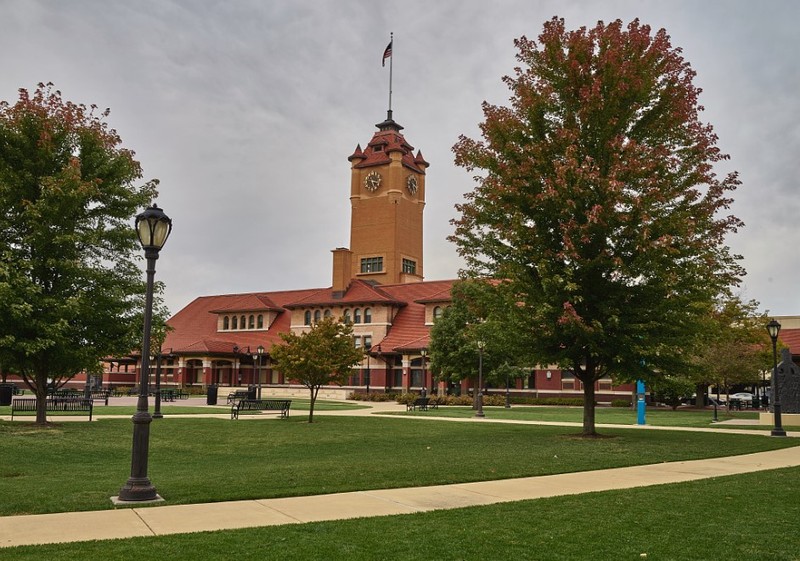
[{"x": 388, "y": 139}]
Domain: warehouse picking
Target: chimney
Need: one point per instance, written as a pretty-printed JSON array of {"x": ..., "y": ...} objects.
[{"x": 342, "y": 269}]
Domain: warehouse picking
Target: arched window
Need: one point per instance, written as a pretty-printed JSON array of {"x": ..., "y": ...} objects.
[
  {"x": 317, "y": 316},
  {"x": 327, "y": 314},
  {"x": 226, "y": 323},
  {"x": 367, "y": 315},
  {"x": 242, "y": 322},
  {"x": 307, "y": 318},
  {"x": 235, "y": 324},
  {"x": 437, "y": 313},
  {"x": 252, "y": 322},
  {"x": 260, "y": 323},
  {"x": 346, "y": 316},
  {"x": 357, "y": 315}
]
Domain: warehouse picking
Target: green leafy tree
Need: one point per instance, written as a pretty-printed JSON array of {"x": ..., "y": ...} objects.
[
  {"x": 480, "y": 311},
  {"x": 671, "y": 390},
  {"x": 596, "y": 199},
  {"x": 736, "y": 347},
  {"x": 68, "y": 277},
  {"x": 322, "y": 356}
]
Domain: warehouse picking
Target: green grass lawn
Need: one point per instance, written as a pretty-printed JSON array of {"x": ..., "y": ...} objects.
[
  {"x": 711, "y": 519},
  {"x": 78, "y": 466},
  {"x": 604, "y": 415}
]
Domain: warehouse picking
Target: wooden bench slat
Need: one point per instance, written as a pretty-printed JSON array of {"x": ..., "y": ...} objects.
[
  {"x": 53, "y": 404},
  {"x": 280, "y": 405}
]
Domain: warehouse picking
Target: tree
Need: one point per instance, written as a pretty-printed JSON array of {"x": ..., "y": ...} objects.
[
  {"x": 68, "y": 277},
  {"x": 480, "y": 311},
  {"x": 322, "y": 356},
  {"x": 596, "y": 199},
  {"x": 736, "y": 346}
]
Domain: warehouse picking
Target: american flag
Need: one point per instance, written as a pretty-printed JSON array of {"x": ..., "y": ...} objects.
[{"x": 387, "y": 53}]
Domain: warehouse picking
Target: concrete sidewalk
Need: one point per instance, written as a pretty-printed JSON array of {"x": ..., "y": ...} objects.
[{"x": 178, "y": 519}]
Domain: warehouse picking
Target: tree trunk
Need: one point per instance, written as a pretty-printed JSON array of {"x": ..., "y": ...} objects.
[
  {"x": 41, "y": 403},
  {"x": 588, "y": 408},
  {"x": 314, "y": 392},
  {"x": 700, "y": 396}
]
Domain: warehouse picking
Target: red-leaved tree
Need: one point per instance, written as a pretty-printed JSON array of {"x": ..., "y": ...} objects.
[{"x": 597, "y": 198}]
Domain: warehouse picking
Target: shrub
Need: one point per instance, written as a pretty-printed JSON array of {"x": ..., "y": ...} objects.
[{"x": 621, "y": 403}]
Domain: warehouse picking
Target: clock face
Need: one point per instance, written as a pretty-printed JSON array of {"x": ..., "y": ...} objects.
[
  {"x": 411, "y": 184},
  {"x": 372, "y": 181}
]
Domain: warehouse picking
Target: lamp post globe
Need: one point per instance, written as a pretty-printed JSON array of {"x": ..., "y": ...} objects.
[
  {"x": 153, "y": 227},
  {"x": 774, "y": 328}
]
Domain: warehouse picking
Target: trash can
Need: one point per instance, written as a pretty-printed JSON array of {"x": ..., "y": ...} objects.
[
  {"x": 211, "y": 394},
  {"x": 251, "y": 392},
  {"x": 6, "y": 391}
]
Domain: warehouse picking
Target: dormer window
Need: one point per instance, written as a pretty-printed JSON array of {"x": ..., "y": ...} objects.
[{"x": 226, "y": 323}]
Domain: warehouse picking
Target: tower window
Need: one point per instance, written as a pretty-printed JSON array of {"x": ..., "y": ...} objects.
[
  {"x": 409, "y": 266},
  {"x": 372, "y": 264}
]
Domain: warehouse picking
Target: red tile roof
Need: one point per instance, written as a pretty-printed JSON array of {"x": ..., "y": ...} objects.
[
  {"x": 409, "y": 331},
  {"x": 251, "y": 303},
  {"x": 382, "y": 144},
  {"x": 195, "y": 326},
  {"x": 357, "y": 292},
  {"x": 791, "y": 338}
]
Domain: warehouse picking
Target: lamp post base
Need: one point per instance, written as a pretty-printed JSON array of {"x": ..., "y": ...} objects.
[
  {"x": 137, "y": 490},
  {"x": 778, "y": 432}
]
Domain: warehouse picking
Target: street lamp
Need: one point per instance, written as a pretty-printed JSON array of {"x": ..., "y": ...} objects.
[
  {"x": 773, "y": 328},
  {"x": 481, "y": 345},
  {"x": 257, "y": 356},
  {"x": 368, "y": 346},
  {"x": 424, "y": 353},
  {"x": 153, "y": 228}
]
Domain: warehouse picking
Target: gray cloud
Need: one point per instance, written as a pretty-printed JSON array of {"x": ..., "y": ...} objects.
[{"x": 247, "y": 112}]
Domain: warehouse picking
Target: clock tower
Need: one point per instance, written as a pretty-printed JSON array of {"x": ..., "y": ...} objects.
[{"x": 387, "y": 197}]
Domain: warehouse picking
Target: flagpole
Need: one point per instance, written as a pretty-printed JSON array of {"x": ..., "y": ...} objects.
[{"x": 391, "y": 62}]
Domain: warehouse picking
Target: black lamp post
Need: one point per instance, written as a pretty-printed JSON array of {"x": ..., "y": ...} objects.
[
  {"x": 481, "y": 345},
  {"x": 773, "y": 328},
  {"x": 257, "y": 356},
  {"x": 424, "y": 354},
  {"x": 368, "y": 374},
  {"x": 153, "y": 228}
]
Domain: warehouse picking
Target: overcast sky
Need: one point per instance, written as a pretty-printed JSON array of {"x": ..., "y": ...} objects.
[{"x": 246, "y": 111}]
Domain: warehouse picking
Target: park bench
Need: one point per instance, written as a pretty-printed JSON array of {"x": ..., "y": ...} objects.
[
  {"x": 422, "y": 403},
  {"x": 100, "y": 395},
  {"x": 52, "y": 404},
  {"x": 278, "y": 405},
  {"x": 236, "y": 396},
  {"x": 171, "y": 394}
]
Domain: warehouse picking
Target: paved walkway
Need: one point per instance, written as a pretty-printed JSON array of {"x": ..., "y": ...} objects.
[{"x": 176, "y": 519}]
